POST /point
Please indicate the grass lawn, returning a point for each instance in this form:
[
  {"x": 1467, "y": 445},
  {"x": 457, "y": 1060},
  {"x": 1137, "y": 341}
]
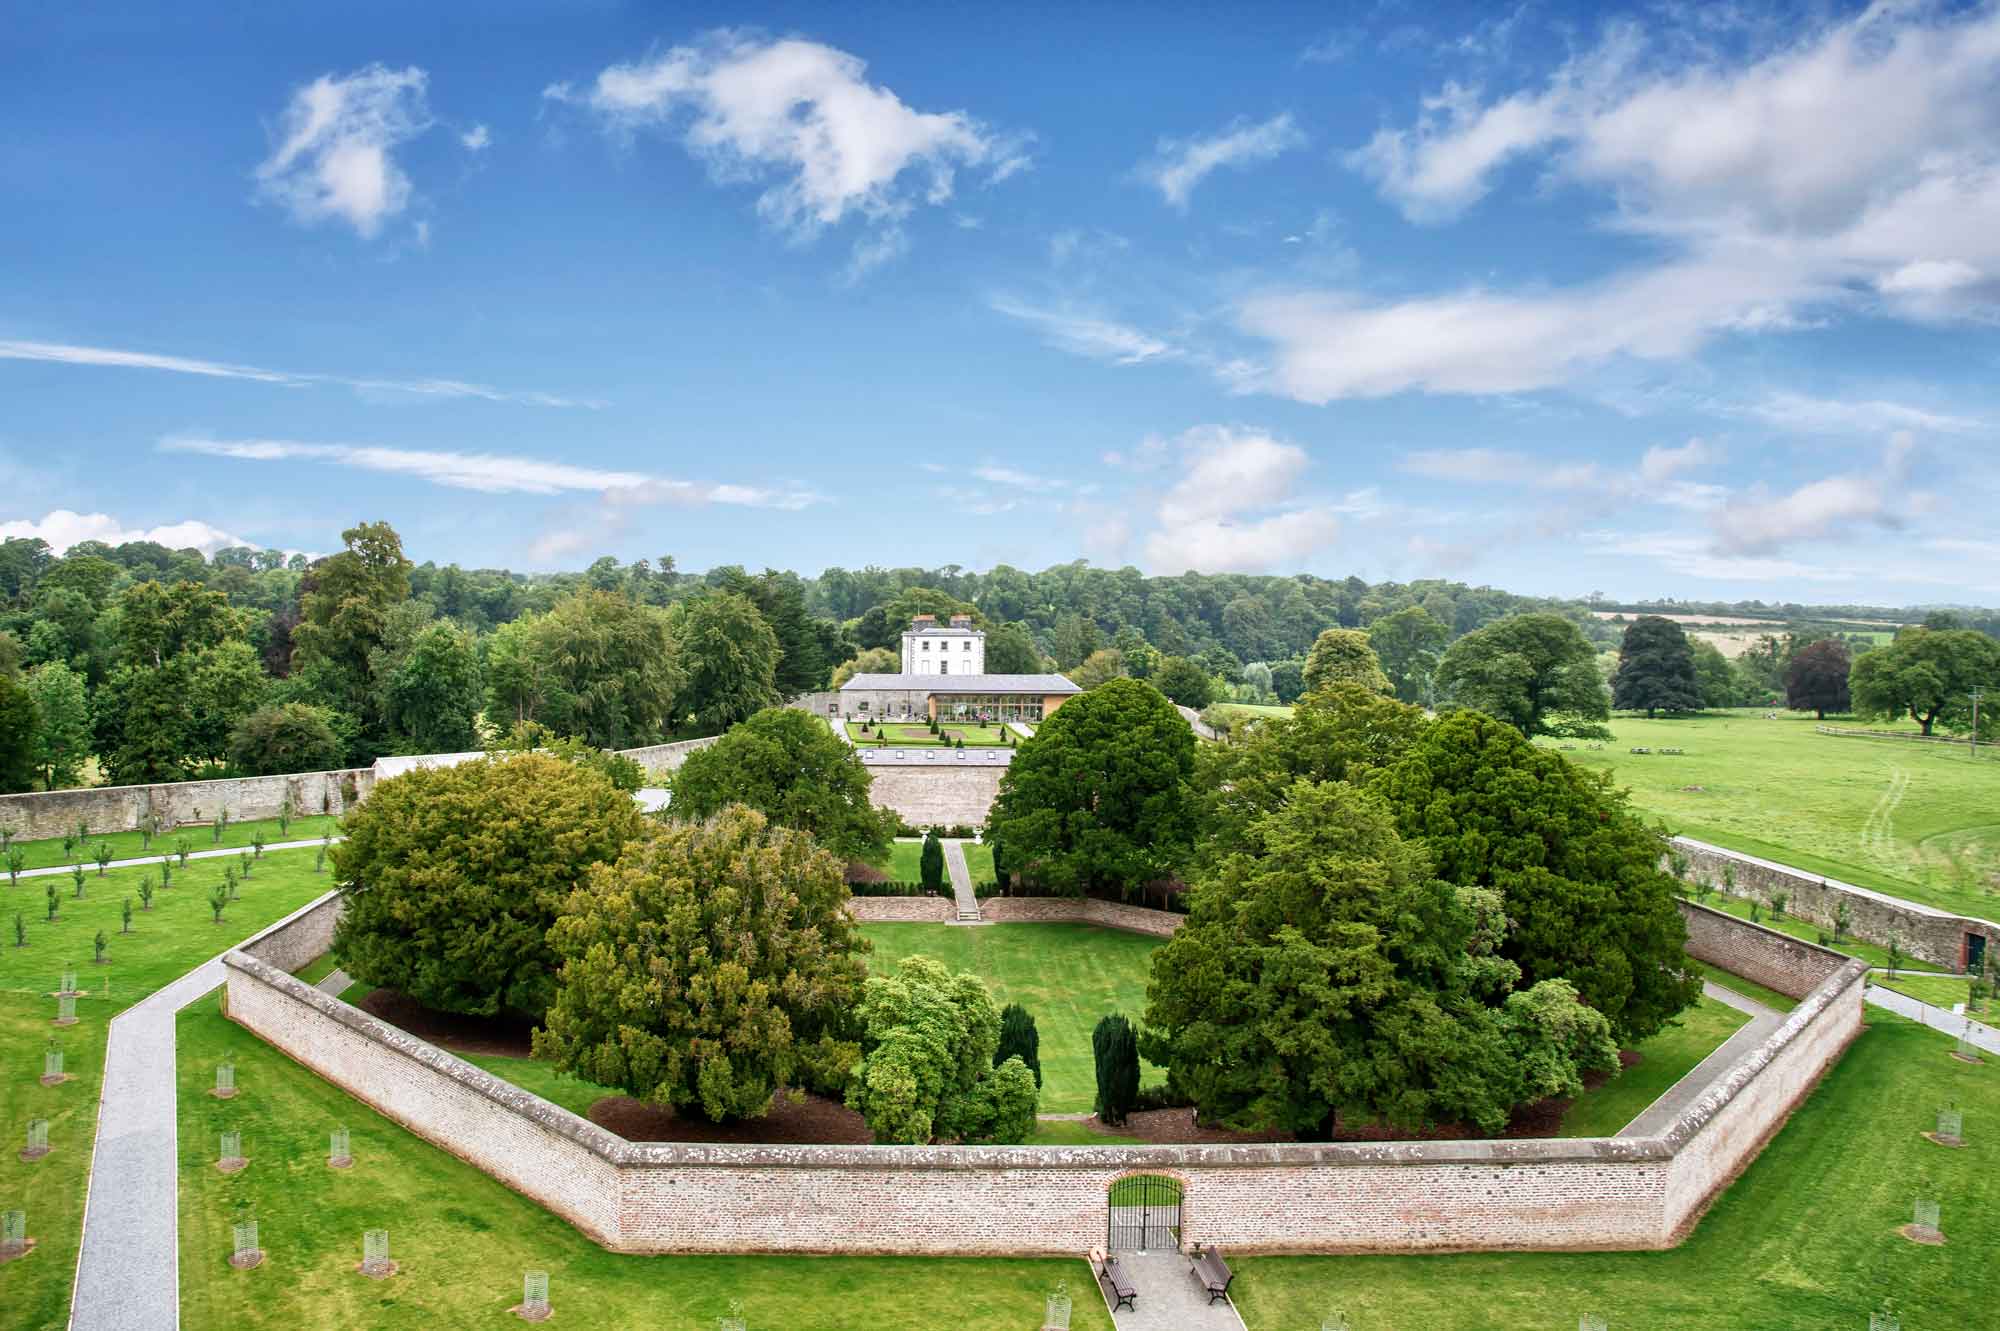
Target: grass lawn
[
  {"x": 1668, "y": 1057},
  {"x": 1066, "y": 975},
  {"x": 167, "y": 942},
  {"x": 1770, "y": 998},
  {"x": 1938, "y": 991},
  {"x": 1918, "y": 820},
  {"x": 1797, "y": 928},
  {"x": 1235, "y": 709},
  {"x": 976, "y": 736},
  {"x": 906, "y": 862},
  {"x": 1804, "y": 1241},
  {"x": 315, "y": 971},
  {"x": 462, "y": 1240},
  {"x": 128, "y": 845},
  {"x": 539, "y": 1078}
]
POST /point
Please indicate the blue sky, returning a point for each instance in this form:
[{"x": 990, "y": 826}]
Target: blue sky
[{"x": 1669, "y": 300}]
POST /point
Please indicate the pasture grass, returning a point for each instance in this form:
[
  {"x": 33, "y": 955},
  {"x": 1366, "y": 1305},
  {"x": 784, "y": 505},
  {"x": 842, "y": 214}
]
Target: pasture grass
[
  {"x": 47, "y": 853},
  {"x": 1915, "y": 819},
  {"x": 463, "y": 1240},
  {"x": 1806, "y": 1239},
  {"x": 173, "y": 938}
]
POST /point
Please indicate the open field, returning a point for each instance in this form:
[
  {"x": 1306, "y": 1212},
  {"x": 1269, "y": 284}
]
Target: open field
[
  {"x": 48, "y": 853},
  {"x": 975, "y": 736},
  {"x": 1804, "y": 1241},
  {"x": 462, "y": 1240},
  {"x": 166, "y": 942},
  {"x": 1915, "y": 819}
]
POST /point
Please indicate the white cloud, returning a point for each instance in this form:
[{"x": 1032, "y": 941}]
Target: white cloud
[
  {"x": 1016, "y": 478},
  {"x": 1088, "y": 335},
  {"x": 1662, "y": 462},
  {"x": 803, "y": 114},
  {"x": 66, "y": 354},
  {"x": 1696, "y": 557},
  {"x": 1236, "y": 506},
  {"x": 1178, "y": 165},
  {"x": 492, "y": 473},
  {"x": 874, "y": 249},
  {"x": 1814, "y": 415},
  {"x": 1760, "y": 524},
  {"x": 477, "y": 139},
  {"x": 1468, "y": 466},
  {"x": 337, "y": 136},
  {"x": 62, "y": 528}
]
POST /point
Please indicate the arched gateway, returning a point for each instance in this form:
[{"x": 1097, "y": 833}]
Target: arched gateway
[{"x": 1142, "y": 1213}]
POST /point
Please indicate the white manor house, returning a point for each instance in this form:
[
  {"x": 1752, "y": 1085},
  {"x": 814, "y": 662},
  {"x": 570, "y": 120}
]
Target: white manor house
[{"x": 944, "y": 677}]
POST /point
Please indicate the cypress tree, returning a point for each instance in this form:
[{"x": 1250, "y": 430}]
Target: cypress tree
[
  {"x": 932, "y": 861},
  {"x": 1019, "y": 1039},
  {"x": 1117, "y": 1051}
]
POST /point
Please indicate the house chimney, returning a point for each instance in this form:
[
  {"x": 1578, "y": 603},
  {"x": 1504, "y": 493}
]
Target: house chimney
[
  {"x": 961, "y": 621},
  {"x": 922, "y": 622}
]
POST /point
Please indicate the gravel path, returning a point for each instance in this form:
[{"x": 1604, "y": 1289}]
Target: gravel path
[
  {"x": 1951, "y": 1023},
  {"x": 1169, "y": 1299},
  {"x": 128, "y": 1271},
  {"x": 148, "y": 860},
  {"x": 1659, "y": 1115}
]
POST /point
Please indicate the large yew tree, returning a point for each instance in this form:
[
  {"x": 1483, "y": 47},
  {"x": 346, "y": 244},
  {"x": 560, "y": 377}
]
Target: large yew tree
[
  {"x": 1099, "y": 797},
  {"x": 454, "y": 875},
  {"x": 1655, "y": 669},
  {"x": 713, "y": 964}
]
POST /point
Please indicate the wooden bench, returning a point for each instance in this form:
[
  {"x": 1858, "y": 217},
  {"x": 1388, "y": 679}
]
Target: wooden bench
[
  {"x": 1213, "y": 1273},
  {"x": 1117, "y": 1288}
]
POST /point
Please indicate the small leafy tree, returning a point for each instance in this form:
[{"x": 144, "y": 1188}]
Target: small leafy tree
[
  {"x": 319, "y": 857},
  {"x": 182, "y": 849},
  {"x": 17, "y": 860},
  {"x": 257, "y": 844},
  {"x": 1019, "y": 1039},
  {"x": 1895, "y": 954},
  {"x": 220, "y": 822},
  {"x": 287, "y": 809},
  {"x": 931, "y": 862},
  {"x": 1778, "y": 900},
  {"x": 248, "y": 862},
  {"x": 104, "y": 856},
  {"x": 218, "y": 897},
  {"x": 20, "y": 930},
  {"x": 76, "y": 876},
  {"x": 149, "y": 827},
  {"x": 166, "y": 872},
  {"x": 54, "y": 898},
  {"x": 100, "y": 941},
  {"x": 1756, "y": 911},
  {"x": 1116, "y": 1050},
  {"x": 146, "y": 892},
  {"x": 126, "y": 926},
  {"x": 710, "y": 966},
  {"x": 927, "y": 1070},
  {"x": 229, "y": 892},
  {"x": 69, "y": 845},
  {"x": 1843, "y": 917}
]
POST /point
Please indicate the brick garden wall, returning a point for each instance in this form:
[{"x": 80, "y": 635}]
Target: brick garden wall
[
  {"x": 1778, "y": 961},
  {"x": 1640, "y": 1192},
  {"x": 1930, "y": 935}
]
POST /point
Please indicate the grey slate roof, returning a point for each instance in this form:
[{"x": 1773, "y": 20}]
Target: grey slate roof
[{"x": 1043, "y": 684}]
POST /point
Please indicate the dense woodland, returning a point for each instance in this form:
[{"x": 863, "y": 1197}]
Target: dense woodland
[{"x": 139, "y": 663}]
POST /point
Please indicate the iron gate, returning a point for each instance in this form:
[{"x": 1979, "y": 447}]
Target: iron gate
[{"x": 1144, "y": 1213}]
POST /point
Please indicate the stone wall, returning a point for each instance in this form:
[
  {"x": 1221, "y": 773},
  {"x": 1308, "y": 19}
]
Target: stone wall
[
  {"x": 666, "y": 757},
  {"x": 1079, "y": 910},
  {"x": 37, "y": 814},
  {"x": 940, "y": 797},
  {"x": 902, "y": 910},
  {"x": 1778, "y": 961},
  {"x": 1636, "y": 1192},
  {"x": 1936, "y": 936}
]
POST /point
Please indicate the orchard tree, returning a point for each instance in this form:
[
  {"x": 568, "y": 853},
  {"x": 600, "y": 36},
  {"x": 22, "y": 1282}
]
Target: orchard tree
[
  {"x": 1655, "y": 669},
  {"x": 788, "y": 766},
  {"x": 1343, "y": 656},
  {"x": 1408, "y": 643},
  {"x": 1928, "y": 675},
  {"x": 1580, "y": 874},
  {"x": 453, "y": 877},
  {"x": 731, "y": 656},
  {"x": 1187, "y": 684},
  {"x": 62, "y": 724},
  {"x": 1010, "y": 650},
  {"x": 710, "y": 966},
  {"x": 1538, "y": 673},
  {"x": 1325, "y": 968},
  {"x": 927, "y": 1071},
  {"x": 1816, "y": 679},
  {"x": 1099, "y": 798},
  {"x": 287, "y": 737}
]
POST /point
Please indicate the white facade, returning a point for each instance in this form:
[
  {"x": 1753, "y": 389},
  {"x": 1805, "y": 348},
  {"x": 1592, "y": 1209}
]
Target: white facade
[{"x": 930, "y": 648}]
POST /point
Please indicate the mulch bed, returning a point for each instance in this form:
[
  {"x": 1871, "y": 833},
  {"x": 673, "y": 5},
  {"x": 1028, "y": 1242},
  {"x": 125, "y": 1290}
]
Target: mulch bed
[
  {"x": 812, "y": 1120},
  {"x": 505, "y": 1036}
]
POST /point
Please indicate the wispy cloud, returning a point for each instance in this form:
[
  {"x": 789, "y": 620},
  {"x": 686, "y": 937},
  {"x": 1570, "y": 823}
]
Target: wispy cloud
[
  {"x": 1178, "y": 165},
  {"x": 1760, "y": 523},
  {"x": 334, "y": 155},
  {"x": 1085, "y": 334},
  {"x": 1817, "y": 415},
  {"x": 68, "y": 354},
  {"x": 496, "y": 473}
]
